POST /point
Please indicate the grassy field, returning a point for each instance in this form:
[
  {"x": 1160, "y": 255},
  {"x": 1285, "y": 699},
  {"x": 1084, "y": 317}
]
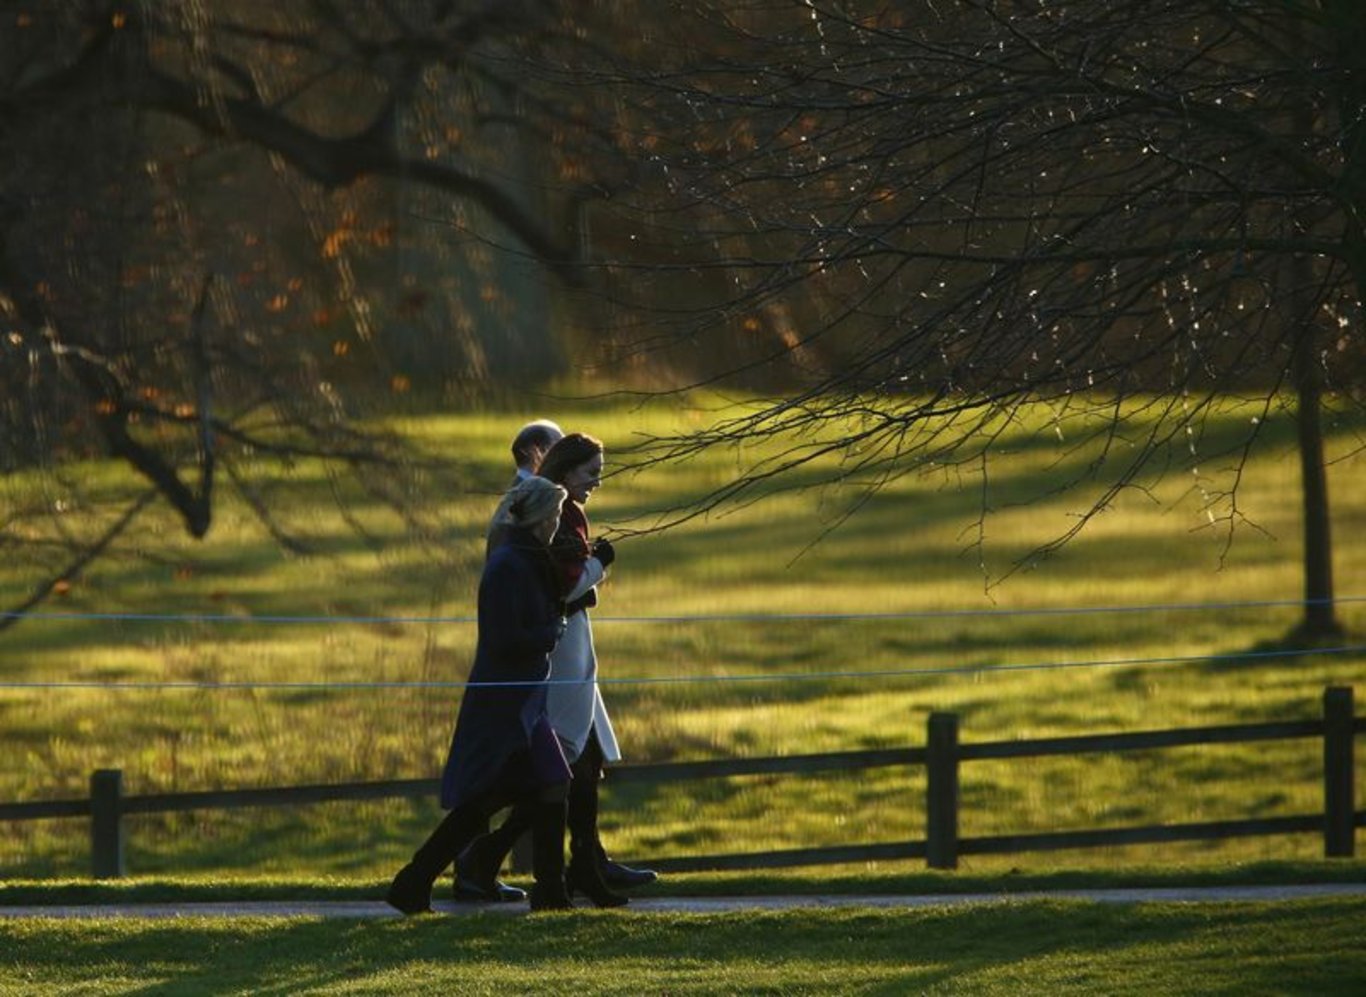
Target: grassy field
[
  {"x": 732, "y": 635},
  {"x": 1005, "y": 948}
]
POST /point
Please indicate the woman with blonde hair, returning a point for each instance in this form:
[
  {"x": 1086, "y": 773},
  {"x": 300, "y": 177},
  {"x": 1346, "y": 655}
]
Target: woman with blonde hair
[{"x": 504, "y": 751}]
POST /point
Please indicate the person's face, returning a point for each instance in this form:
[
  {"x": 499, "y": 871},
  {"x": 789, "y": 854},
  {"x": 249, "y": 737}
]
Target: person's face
[
  {"x": 544, "y": 531},
  {"x": 582, "y": 479}
]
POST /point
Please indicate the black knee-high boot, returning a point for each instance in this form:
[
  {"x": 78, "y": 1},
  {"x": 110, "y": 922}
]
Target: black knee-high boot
[
  {"x": 585, "y": 874},
  {"x": 411, "y": 890},
  {"x": 547, "y": 857},
  {"x": 517, "y": 823}
]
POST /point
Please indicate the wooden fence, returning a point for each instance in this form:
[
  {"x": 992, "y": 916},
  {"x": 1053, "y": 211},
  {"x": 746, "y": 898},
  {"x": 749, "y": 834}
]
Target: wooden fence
[{"x": 943, "y": 755}]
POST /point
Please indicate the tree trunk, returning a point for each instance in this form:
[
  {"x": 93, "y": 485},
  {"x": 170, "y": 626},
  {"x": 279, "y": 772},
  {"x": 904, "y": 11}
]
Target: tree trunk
[
  {"x": 1320, "y": 619},
  {"x": 1343, "y": 20}
]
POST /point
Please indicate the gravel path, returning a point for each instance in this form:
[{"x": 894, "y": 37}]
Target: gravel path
[{"x": 361, "y": 909}]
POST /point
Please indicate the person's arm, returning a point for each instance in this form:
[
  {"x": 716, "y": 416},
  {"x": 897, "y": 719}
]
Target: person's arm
[
  {"x": 592, "y": 573},
  {"x": 579, "y": 570},
  {"x": 512, "y": 622}
]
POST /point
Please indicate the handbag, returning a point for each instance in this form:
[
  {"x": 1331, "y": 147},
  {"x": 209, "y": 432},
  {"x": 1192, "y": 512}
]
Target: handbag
[{"x": 548, "y": 764}]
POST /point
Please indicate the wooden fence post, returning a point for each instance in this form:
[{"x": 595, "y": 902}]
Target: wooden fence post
[
  {"x": 106, "y": 824},
  {"x": 1338, "y": 775},
  {"x": 941, "y": 796}
]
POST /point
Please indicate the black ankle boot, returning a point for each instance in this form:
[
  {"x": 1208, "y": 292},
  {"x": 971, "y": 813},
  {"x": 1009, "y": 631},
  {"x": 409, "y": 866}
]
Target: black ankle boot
[
  {"x": 466, "y": 892},
  {"x": 410, "y": 892},
  {"x": 476, "y": 871},
  {"x": 618, "y": 876},
  {"x": 480, "y": 884}
]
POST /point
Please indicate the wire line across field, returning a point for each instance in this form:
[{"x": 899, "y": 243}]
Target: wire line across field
[{"x": 920, "y": 614}]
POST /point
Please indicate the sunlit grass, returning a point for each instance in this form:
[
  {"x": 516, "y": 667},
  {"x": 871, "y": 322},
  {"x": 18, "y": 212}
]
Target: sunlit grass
[{"x": 738, "y": 656}]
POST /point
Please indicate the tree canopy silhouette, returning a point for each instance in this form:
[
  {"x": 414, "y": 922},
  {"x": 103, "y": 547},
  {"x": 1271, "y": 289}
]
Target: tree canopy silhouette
[
  {"x": 931, "y": 214},
  {"x": 207, "y": 240}
]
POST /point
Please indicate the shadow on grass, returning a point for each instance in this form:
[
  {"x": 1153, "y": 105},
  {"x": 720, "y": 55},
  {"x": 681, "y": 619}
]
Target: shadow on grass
[
  {"x": 831, "y": 950},
  {"x": 812, "y": 881},
  {"x": 1297, "y": 645}
]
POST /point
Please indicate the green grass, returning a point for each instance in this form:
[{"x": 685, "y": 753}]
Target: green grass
[
  {"x": 695, "y": 685},
  {"x": 1302, "y": 947}
]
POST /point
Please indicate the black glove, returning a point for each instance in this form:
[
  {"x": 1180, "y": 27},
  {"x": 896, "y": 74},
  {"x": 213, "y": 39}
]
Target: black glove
[{"x": 604, "y": 551}]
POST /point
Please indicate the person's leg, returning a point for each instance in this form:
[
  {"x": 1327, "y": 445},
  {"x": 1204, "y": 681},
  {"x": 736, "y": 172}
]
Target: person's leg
[
  {"x": 584, "y": 874},
  {"x": 582, "y": 814},
  {"x": 537, "y": 774},
  {"x": 517, "y": 822},
  {"x": 583, "y": 821},
  {"x": 411, "y": 890},
  {"x": 478, "y": 864},
  {"x": 547, "y": 851}
]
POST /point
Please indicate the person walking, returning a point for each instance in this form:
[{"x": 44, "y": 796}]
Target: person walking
[
  {"x": 574, "y": 700},
  {"x": 504, "y": 751},
  {"x": 529, "y": 445}
]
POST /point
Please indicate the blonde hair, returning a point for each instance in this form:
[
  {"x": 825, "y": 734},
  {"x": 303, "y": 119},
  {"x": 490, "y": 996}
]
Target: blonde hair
[{"x": 527, "y": 503}]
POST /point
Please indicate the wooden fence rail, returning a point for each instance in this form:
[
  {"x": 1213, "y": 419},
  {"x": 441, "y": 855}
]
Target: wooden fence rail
[{"x": 942, "y": 755}]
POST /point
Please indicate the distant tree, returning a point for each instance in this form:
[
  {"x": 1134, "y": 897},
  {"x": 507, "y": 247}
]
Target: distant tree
[
  {"x": 929, "y": 214},
  {"x": 203, "y": 215}
]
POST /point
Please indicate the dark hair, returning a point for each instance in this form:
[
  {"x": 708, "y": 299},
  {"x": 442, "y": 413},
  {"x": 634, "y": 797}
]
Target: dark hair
[
  {"x": 567, "y": 454},
  {"x": 533, "y": 436}
]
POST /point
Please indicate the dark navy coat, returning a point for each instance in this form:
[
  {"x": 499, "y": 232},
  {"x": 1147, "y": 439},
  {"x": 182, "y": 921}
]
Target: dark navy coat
[{"x": 520, "y": 618}]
